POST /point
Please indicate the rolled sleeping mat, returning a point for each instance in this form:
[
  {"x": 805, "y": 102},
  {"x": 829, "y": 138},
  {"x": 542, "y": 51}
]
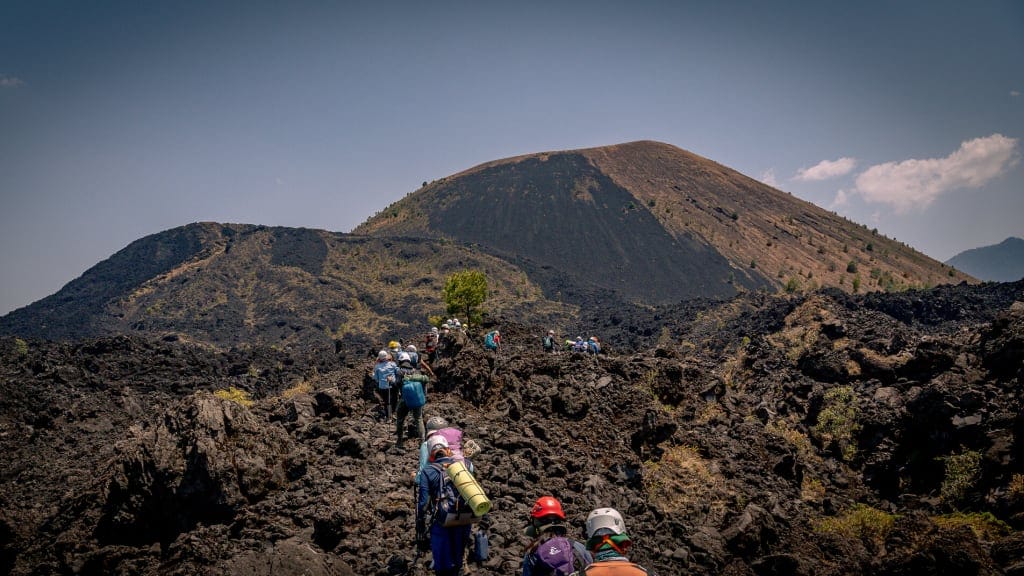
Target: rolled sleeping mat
[{"x": 469, "y": 488}]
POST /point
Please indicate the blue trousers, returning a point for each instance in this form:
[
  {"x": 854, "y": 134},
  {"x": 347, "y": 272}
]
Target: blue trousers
[{"x": 448, "y": 547}]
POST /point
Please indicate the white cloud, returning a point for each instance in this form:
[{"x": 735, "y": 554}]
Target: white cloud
[
  {"x": 827, "y": 169},
  {"x": 916, "y": 183},
  {"x": 768, "y": 177},
  {"x": 10, "y": 81},
  {"x": 842, "y": 199}
]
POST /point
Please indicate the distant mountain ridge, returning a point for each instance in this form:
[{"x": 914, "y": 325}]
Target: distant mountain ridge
[{"x": 1003, "y": 262}]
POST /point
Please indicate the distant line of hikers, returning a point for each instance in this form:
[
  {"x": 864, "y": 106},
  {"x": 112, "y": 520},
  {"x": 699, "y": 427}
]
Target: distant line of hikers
[{"x": 449, "y": 499}]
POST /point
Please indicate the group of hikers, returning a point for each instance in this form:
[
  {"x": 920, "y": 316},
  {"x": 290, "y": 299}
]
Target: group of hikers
[
  {"x": 444, "y": 521},
  {"x": 579, "y": 346},
  {"x": 448, "y": 498}
]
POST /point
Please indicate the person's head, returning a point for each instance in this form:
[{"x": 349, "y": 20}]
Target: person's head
[
  {"x": 436, "y": 423},
  {"x": 606, "y": 528},
  {"x": 546, "y": 514},
  {"x": 551, "y": 332},
  {"x": 437, "y": 447},
  {"x": 411, "y": 348},
  {"x": 579, "y": 338},
  {"x": 393, "y": 345},
  {"x": 383, "y": 356},
  {"x": 434, "y": 330}
]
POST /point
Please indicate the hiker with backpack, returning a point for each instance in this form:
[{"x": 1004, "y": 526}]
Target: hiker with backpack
[
  {"x": 552, "y": 552},
  {"x": 443, "y": 518},
  {"x": 593, "y": 346},
  {"x": 412, "y": 398},
  {"x": 414, "y": 356},
  {"x": 394, "y": 348},
  {"x": 608, "y": 542},
  {"x": 446, "y": 342},
  {"x": 580, "y": 346},
  {"x": 492, "y": 340},
  {"x": 431, "y": 342},
  {"x": 549, "y": 342},
  {"x": 385, "y": 372},
  {"x": 438, "y": 426}
]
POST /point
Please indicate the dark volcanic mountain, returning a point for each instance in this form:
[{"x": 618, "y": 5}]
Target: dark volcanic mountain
[
  {"x": 654, "y": 224},
  {"x": 598, "y": 239},
  {"x": 1003, "y": 262}
]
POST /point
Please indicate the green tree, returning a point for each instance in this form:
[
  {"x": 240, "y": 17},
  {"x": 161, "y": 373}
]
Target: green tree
[{"x": 464, "y": 292}]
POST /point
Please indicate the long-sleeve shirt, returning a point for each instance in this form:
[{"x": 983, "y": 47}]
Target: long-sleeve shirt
[{"x": 381, "y": 372}]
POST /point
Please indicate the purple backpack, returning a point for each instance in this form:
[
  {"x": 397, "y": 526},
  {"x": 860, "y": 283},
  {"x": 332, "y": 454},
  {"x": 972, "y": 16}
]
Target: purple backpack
[
  {"x": 555, "y": 556},
  {"x": 454, "y": 438}
]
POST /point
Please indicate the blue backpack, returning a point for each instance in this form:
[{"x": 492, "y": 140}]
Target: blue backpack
[
  {"x": 489, "y": 341},
  {"x": 555, "y": 557},
  {"x": 450, "y": 508},
  {"x": 413, "y": 394}
]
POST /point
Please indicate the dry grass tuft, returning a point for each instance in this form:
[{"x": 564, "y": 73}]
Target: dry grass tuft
[
  {"x": 235, "y": 395},
  {"x": 683, "y": 481}
]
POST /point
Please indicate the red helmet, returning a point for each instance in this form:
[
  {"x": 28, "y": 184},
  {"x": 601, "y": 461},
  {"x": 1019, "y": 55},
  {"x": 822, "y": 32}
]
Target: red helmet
[{"x": 547, "y": 506}]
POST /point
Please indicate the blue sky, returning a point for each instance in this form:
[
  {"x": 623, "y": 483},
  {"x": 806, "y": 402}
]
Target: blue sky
[{"x": 122, "y": 119}]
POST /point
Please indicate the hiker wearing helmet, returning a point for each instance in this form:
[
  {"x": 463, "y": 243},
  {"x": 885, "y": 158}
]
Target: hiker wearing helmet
[
  {"x": 412, "y": 398},
  {"x": 552, "y": 552},
  {"x": 394, "y": 348},
  {"x": 433, "y": 338},
  {"x": 446, "y": 538},
  {"x": 414, "y": 356},
  {"x": 385, "y": 372},
  {"x": 608, "y": 541}
]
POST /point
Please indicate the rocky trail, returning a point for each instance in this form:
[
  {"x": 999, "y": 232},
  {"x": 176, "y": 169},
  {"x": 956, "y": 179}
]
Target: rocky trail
[{"x": 815, "y": 434}]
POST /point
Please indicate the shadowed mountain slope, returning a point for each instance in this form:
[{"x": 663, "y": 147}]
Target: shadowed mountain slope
[
  {"x": 655, "y": 224},
  {"x": 231, "y": 284}
]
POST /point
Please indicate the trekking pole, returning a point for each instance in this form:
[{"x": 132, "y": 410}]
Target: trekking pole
[{"x": 389, "y": 403}]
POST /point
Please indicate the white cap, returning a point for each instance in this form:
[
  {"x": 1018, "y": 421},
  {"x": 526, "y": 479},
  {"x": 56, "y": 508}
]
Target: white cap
[
  {"x": 435, "y": 443},
  {"x": 411, "y": 347},
  {"x": 404, "y": 357},
  {"x": 382, "y": 355}
]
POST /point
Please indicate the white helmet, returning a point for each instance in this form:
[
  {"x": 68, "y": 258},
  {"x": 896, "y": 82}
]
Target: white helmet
[
  {"x": 435, "y": 443},
  {"x": 382, "y": 355},
  {"x": 436, "y": 423},
  {"x": 411, "y": 347},
  {"x": 404, "y": 357},
  {"x": 607, "y": 519}
]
